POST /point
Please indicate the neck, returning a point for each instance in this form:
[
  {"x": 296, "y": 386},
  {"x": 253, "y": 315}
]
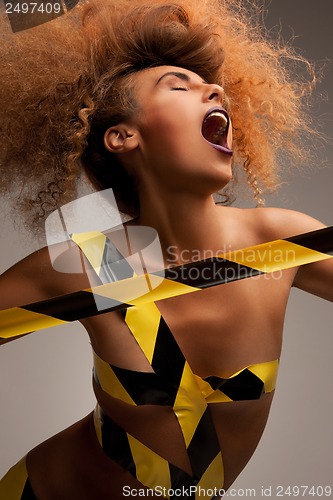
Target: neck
[{"x": 186, "y": 225}]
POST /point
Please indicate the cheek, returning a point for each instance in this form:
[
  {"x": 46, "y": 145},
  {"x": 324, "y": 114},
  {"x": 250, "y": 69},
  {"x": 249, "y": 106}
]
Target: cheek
[
  {"x": 166, "y": 132},
  {"x": 159, "y": 120}
]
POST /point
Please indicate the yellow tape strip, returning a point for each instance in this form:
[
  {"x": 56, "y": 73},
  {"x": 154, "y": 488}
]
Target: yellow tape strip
[
  {"x": 16, "y": 321},
  {"x": 275, "y": 256},
  {"x": 212, "y": 478},
  {"x": 267, "y": 257},
  {"x": 151, "y": 468},
  {"x": 189, "y": 405},
  {"x": 109, "y": 382},
  {"x": 144, "y": 322},
  {"x": 142, "y": 289},
  {"x": 92, "y": 245},
  {"x": 267, "y": 372},
  {"x": 13, "y": 483}
]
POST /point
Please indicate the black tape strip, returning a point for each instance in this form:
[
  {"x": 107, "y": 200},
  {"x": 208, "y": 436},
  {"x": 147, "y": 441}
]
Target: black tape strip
[
  {"x": 144, "y": 388},
  {"x": 27, "y": 493},
  {"x": 114, "y": 266},
  {"x": 85, "y": 303},
  {"x": 224, "y": 272},
  {"x": 115, "y": 444},
  {"x": 246, "y": 385},
  {"x": 167, "y": 352},
  {"x": 160, "y": 387},
  {"x": 320, "y": 240},
  {"x": 208, "y": 272},
  {"x": 204, "y": 445},
  {"x": 181, "y": 480}
]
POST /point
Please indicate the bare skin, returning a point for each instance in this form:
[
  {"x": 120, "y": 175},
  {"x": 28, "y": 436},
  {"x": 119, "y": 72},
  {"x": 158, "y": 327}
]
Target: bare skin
[{"x": 220, "y": 330}]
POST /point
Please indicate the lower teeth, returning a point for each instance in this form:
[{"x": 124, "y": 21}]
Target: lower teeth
[{"x": 218, "y": 135}]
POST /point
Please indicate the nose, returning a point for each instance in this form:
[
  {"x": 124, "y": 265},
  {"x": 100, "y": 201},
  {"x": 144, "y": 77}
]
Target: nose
[{"x": 214, "y": 92}]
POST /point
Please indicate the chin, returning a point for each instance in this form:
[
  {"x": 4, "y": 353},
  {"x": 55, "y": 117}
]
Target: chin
[{"x": 223, "y": 176}]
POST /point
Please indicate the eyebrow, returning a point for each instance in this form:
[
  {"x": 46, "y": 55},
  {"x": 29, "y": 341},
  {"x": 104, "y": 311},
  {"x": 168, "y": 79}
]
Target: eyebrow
[{"x": 178, "y": 74}]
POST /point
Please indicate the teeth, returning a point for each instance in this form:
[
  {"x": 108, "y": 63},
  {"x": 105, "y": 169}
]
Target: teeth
[
  {"x": 217, "y": 113},
  {"x": 215, "y": 126},
  {"x": 219, "y": 133}
]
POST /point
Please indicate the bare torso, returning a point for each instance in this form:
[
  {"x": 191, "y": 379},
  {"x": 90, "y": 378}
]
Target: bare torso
[{"x": 220, "y": 330}]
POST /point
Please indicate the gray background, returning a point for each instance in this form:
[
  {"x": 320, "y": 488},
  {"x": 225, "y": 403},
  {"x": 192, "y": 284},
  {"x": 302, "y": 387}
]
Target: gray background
[{"x": 46, "y": 377}]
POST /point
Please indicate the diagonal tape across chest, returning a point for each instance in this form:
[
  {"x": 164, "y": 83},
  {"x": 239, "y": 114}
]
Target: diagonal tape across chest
[{"x": 171, "y": 383}]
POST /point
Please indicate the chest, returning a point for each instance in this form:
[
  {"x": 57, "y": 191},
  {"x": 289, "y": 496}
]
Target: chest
[
  {"x": 223, "y": 329},
  {"x": 219, "y": 330}
]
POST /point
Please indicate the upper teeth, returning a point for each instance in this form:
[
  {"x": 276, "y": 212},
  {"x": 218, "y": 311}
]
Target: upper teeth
[{"x": 218, "y": 113}]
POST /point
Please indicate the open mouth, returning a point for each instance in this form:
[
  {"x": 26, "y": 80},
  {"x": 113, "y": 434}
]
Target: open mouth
[{"x": 215, "y": 129}]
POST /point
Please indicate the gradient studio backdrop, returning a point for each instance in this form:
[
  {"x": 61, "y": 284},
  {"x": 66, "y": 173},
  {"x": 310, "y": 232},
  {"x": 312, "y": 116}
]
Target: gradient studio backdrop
[{"x": 46, "y": 377}]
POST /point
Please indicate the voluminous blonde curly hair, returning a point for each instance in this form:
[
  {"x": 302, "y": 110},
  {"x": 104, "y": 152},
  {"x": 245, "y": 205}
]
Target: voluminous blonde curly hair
[{"x": 64, "y": 83}]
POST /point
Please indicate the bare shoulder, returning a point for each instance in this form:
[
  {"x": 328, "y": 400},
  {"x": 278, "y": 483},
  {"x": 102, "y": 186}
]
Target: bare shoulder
[
  {"x": 315, "y": 278},
  {"x": 279, "y": 223}
]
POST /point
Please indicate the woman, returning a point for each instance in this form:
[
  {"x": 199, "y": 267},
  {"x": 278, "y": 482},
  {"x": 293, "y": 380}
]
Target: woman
[{"x": 149, "y": 115}]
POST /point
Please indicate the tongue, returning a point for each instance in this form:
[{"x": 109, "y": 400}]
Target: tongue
[{"x": 211, "y": 127}]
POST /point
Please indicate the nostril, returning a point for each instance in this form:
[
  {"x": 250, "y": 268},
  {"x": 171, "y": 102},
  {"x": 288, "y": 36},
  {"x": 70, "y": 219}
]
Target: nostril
[{"x": 214, "y": 95}]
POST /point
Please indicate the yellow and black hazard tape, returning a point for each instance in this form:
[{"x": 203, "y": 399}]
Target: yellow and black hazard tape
[{"x": 231, "y": 266}]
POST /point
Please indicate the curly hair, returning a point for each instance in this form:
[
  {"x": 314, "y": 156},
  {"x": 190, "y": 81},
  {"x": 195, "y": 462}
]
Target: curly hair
[{"x": 76, "y": 81}]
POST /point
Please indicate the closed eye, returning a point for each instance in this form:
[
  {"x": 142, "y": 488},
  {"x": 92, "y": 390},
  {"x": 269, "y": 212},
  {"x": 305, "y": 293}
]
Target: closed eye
[{"x": 179, "y": 88}]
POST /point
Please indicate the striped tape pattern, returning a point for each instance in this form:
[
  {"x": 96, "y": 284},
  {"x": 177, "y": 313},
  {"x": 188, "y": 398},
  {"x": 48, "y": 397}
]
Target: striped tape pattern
[
  {"x": 295, "y": 251},
  {"x": 172, "y": 384}
]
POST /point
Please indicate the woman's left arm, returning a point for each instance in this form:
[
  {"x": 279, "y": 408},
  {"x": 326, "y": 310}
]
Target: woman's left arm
[{"x": 316, "y": 278}]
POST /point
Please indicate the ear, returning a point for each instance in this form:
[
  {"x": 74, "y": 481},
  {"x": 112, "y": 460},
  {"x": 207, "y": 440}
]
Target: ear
[{"x": 121, "y": 138}]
